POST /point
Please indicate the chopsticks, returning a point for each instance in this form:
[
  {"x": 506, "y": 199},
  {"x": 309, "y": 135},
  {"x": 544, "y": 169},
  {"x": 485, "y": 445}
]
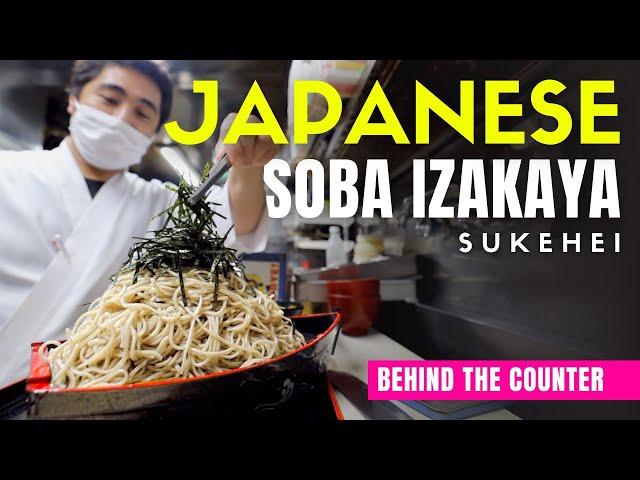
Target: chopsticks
[{"x": 218, "y": 170}]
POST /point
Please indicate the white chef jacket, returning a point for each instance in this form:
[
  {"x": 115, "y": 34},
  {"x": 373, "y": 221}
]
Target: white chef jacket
[{"x": 43, "y": 290}]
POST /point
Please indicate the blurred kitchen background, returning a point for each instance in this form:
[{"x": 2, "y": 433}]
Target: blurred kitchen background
[{"x": 436, "y": 301}]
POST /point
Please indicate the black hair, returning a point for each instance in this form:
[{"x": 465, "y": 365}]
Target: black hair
[{"x": 83, "y": 71}]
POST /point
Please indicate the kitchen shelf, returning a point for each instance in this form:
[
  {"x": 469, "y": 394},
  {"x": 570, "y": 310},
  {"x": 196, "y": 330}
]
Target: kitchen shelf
[
  {"x": 323, "y": 219},
  {"x": 397, "y": 275},
  {"x": 390, "y": 268},
  {"x": 308, "y": 244}
]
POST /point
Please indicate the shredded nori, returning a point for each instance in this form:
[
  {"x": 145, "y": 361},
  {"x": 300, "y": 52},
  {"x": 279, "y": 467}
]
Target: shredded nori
[{"x": 187, "y": 239}]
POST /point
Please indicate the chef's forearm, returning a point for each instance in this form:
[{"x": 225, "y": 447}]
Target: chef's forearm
[{"x": 247, "y": 197}]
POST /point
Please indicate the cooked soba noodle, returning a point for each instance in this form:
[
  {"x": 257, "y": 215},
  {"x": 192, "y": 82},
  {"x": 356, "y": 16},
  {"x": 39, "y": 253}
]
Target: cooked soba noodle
[{"x": 139, "y": 332}]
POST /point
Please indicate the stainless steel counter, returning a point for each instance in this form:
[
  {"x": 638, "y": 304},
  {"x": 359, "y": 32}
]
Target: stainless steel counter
[{"x": 353, "y": 353}]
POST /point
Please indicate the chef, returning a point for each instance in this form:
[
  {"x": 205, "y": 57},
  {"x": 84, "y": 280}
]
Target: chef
[{"x": 69, "y": 215}]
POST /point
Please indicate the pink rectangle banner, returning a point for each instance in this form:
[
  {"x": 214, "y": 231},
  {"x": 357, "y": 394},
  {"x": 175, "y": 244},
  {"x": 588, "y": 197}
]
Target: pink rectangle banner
[{"x": 504, "y": 380}]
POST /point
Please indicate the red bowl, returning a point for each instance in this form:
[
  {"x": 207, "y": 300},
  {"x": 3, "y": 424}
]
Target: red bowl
[
  {"x": 276, "y": 387},
  {"x": 360, "y": 286},
  {"x": 359, "y": 313}
]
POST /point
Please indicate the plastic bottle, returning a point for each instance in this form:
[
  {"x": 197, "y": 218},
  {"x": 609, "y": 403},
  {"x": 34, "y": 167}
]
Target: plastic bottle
[{"x": 336, "y": 253}]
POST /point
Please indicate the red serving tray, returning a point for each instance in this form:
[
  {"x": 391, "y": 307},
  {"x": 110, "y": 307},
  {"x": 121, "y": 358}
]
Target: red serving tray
[{"x": 293, "y": 385}]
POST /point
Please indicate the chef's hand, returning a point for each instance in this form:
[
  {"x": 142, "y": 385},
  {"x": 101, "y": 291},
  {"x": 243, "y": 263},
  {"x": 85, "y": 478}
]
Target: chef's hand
[
  {"x": 246, "y": 185},
  {"x": 250, "y": 151}
]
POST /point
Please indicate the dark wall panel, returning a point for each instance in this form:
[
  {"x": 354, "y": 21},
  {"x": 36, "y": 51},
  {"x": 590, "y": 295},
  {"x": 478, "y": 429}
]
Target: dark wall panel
[{"x": 540, "y": 305}]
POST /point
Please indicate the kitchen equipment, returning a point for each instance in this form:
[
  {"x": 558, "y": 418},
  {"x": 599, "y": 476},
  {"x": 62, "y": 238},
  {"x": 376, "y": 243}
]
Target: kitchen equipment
[
  {"x": 454, "y": 409},
  {"x": 218, "y": 169},
  {"x": 271, "y": 388},
  {"x": 356, "y": 391}
]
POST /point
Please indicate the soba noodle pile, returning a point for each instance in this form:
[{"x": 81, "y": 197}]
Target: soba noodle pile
[
  {"x": 141, "y": 332},
  {"x": 180, "y": 307}
]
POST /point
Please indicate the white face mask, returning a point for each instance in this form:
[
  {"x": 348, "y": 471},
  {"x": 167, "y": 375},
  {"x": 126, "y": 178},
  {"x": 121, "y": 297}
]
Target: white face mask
[{"x": 105, "y": 141}]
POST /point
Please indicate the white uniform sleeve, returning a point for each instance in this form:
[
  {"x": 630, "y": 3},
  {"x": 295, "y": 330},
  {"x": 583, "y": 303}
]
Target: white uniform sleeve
[{"x": 255, "y": 241}]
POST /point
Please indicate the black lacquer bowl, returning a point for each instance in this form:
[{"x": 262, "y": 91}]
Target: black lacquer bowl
[
  {"x": 279, "y": 387},
  {"x": 291, "y": 308}
]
